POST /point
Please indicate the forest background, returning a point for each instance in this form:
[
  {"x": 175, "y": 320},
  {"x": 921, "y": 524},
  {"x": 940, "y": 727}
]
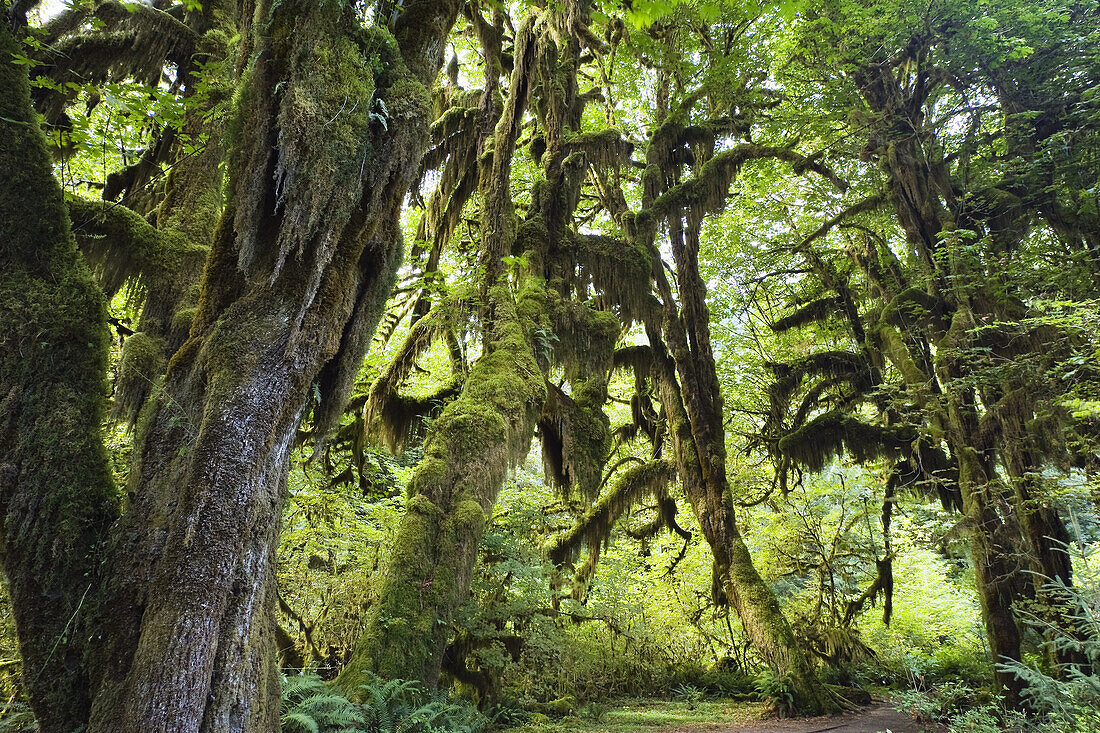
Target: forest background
[{"x": 545, "y": 353}]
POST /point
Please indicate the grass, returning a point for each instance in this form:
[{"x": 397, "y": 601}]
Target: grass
[{"x": 628, "y": 716}]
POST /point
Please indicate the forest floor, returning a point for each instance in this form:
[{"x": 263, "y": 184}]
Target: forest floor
[
  {"x": 879, "y": 717},
  {"x": 659, "y": 716}
]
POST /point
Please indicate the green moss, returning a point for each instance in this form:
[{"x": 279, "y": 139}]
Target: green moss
[
  {"x": 57, "y": 498},
  {"x": 140, "y": 365},
  {"x": 630, "y": 487},
  {"x": 158, "y": 267},
  {"x": 182, "y": 319}
]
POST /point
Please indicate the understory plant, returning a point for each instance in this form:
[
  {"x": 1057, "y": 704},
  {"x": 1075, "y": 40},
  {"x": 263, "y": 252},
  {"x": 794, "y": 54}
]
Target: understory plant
[{"x": 379, "y": 706}]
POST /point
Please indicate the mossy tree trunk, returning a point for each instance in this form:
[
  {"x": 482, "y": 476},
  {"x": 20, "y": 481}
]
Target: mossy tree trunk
[
  {"x": 691, "y": 394},
  {"x": 57, "y": 497},
  {"x": 469, "y": 448},
  {"x": 181, "y": 594},
  {"x": 467, "y": 454},
  {"x": 688, "y": 391}
]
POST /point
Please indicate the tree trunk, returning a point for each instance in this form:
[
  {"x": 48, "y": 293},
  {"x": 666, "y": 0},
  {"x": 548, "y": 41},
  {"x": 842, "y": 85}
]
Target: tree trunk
[
  {"x": 469, "y": 448},
  {"x": 467, "y": 454},
  {"x": 57, "y": 497},
  {"x": 752, "y": 599}
]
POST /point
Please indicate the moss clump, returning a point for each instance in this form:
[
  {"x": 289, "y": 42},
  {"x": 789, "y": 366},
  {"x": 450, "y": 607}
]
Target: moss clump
[
  {"x": 139, "y": 367},
  {"x": 182, "y": 319}
]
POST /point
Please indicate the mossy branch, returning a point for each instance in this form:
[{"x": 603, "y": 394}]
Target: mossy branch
[
  {"x": 125, "y": 250},
  {"x": 868, "y": 204},
  {"x": 832, "y": 433},
  {"x": 593, "y": 529},
  {"x": 401, "y": 420},
  {"x": 419, "y": 339},
  {"x": 812, "y": 312},
  {"x": 134, "y": 41},
  {"x": 837, "y": 365},
  {"x": 707, "y": 192}
]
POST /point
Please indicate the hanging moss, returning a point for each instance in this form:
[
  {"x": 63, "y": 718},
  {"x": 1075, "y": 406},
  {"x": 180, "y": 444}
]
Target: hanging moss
[
  {"x": 832, "y": 433},
  {"x": 605, "y": 149},
  {"x": 812, "y": 312},
  {"x": 618, "y": 272},
  {"x": 419, "y": 339},
  {"x": 835, "y": 365},
  {"x": 378, "y": 271},
  {"x": 915, "y": 307},
  {"x": 401, "y": 420},
  {"x": 132, "y": 40},
  {"x": 575, "y": 438},
  {"x": 649, "y": 478},
  {"x": 585, "y": 336},
  {"x": 323, "y": 127}
]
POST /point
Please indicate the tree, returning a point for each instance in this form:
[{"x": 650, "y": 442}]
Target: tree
[
  {"x": 173, "y": 602},
  {"x": 952, "y": 352}
]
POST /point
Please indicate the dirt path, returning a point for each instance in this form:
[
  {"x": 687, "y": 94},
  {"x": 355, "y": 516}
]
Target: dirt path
[{"x": 878, "y": 717}]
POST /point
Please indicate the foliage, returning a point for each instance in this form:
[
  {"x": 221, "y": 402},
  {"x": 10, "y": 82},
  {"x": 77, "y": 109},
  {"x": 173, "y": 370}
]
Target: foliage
[{"x": 381, "y": 706}]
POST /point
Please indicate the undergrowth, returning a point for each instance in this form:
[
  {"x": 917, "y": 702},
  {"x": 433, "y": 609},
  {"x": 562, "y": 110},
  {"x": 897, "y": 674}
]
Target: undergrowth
[{"x": 378, "y": 706}]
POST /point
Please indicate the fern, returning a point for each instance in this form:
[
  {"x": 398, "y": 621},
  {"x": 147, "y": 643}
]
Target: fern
[
  {"x": 1073, "y": 702},
  {"x": 309, "y": 706},
  {"x": 387, "y": 706},
  {"x": 297, "y": 722}
]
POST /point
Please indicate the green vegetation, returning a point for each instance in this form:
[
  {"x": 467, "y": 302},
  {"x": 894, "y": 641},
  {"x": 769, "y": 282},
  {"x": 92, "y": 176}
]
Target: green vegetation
[{"x": 446, "y": 367}]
